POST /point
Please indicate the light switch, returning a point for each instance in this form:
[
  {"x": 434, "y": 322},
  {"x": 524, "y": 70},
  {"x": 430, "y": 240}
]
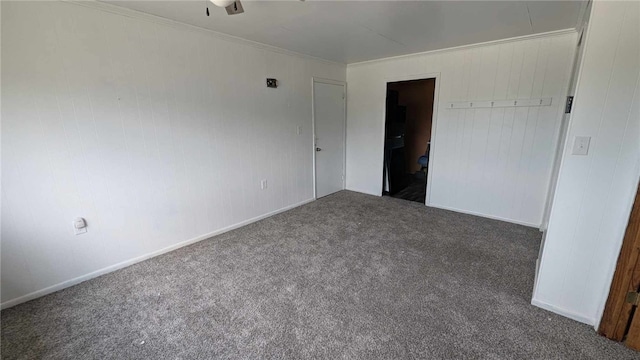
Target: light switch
[{"x": 581, "y": 145}]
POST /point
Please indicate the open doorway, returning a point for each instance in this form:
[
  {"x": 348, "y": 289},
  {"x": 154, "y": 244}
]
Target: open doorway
[{"x": 408, "y": 119}]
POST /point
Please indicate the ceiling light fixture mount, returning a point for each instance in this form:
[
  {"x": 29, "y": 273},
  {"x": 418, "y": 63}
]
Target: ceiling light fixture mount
[
  {"x": 233, "y": 7},
  {"x": 222, "y": 3}
]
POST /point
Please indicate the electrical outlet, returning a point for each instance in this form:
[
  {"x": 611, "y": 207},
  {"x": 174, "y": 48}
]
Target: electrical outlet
[
  {"x": 79, "y": 226},
  {"x": 581, "y": 145},
  {"x": 263, "y": 184}
]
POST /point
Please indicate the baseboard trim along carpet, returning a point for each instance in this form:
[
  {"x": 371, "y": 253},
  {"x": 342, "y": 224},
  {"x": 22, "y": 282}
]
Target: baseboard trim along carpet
[
  {"x": 108, "y": 269},
  {"x": 347, "y": 276},
  {"x": 523, "y": 223},
  {"x": 558, "y": 310}
]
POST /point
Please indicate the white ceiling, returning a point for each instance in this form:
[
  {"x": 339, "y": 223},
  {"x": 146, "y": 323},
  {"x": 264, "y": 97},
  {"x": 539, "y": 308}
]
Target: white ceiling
[{"x": 354, "y": 31}]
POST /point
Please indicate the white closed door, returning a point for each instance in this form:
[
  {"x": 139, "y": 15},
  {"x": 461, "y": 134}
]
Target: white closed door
[{"x": 329, "y": 120}]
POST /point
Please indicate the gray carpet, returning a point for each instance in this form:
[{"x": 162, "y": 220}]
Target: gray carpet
[{"x": 348, "y": 276}]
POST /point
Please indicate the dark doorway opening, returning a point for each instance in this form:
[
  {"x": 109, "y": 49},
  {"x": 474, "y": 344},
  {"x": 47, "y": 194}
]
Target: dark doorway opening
[{"x": 409, "y": 115}]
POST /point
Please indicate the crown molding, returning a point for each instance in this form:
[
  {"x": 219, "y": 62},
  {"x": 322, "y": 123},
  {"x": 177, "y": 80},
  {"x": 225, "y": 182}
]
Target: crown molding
[
  {"x": 585, "y": 8},
  {"x": 139, "y": 15},
  {"x": 471, "y": 46}
]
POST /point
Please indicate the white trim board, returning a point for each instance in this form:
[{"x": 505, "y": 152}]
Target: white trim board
[
  {"x": 563, "y": 312},
  {"x": 537, "y": 226},
  {"x": 362, "y": 191},
  {"x": 470, "y": 46},
  {"x": 112, "y": 268}
]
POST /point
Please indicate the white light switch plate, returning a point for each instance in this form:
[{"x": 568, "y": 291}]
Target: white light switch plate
[{"x": 581, "y": 145}]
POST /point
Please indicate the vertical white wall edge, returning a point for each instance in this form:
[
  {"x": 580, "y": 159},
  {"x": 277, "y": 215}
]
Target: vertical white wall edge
[{"x": 594, "y": 194}]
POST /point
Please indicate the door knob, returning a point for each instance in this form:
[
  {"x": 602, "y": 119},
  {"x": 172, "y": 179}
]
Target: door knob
[{"x": 318, "y": 149}]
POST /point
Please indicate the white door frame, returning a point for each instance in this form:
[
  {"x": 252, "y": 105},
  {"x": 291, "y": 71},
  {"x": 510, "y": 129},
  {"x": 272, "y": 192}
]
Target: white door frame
[
  {"x": 434, "y": 117},
  {"x": 313, "y": 129}
]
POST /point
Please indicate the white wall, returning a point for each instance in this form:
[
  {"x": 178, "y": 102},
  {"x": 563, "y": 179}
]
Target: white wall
[
  {"x": 582, "y": 28},
  {"x": 157, "y": 133},
  {"x": 491, "y": 162},
  {"x": 594, "y": 193}
]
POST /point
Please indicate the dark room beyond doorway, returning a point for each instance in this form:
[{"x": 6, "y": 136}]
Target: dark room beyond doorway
[{"x": 409, "y": 112}]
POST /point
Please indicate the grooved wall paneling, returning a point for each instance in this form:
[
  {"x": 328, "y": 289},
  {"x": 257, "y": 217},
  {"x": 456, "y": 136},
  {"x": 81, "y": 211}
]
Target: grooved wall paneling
[
  {"x": 155, "y": 133},
  {"x": 494, "y": 162},
  {"x": 594, "y": 193}
]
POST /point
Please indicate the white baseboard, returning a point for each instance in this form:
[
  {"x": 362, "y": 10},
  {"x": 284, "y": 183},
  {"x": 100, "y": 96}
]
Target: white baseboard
[
  {"x": 524, "y": 223},
  {"x": 544, "y": 226},
  {"x": 564, "y": 312},
  {"x": 362, "y": 191},
  {"x": 535, "y": 278},
  {"x": 108, "y": 269}
]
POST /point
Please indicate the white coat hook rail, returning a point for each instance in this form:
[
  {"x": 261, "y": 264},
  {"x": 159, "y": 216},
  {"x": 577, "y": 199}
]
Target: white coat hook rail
[{"x": 499, "y": 103}]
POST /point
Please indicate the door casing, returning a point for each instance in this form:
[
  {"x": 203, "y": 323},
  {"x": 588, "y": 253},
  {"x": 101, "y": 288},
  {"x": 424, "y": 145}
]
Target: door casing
[
  {"x": 619, "y": 316},
  {"x": 315, "y": 80}
]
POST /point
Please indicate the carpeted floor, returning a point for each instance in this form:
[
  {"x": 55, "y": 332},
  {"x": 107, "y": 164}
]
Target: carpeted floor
[{"x": 342, "y": 277}]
